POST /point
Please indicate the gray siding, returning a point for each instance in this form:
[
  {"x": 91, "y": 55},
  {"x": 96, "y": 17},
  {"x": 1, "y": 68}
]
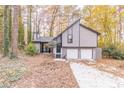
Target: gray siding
[
  {"x": 82, "y": 37},
  {"x": 87, "y": 38},
  {"x": 75, "y": 43},
  {"x": 59, "y": 39}
]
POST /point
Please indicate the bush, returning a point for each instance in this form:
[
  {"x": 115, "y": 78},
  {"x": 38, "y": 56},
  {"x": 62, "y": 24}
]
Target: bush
[
  {"x": 31, "y": 50},
  {"x": 108, "y": 52},
  {"x": 118, "y": 54},
  {"x": 112, "y": 52}
]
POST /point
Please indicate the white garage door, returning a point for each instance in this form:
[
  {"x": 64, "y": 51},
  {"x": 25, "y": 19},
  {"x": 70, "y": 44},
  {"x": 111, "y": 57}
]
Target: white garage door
[
  {"x": 72, "y": 53},
  {"x": 86, "y": 53}
]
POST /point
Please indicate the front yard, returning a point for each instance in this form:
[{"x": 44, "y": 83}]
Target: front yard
[
  {"x": 42, "y": 71},
  {"x": 39, "y": 71},
  {"x": 11, "y": 71}
]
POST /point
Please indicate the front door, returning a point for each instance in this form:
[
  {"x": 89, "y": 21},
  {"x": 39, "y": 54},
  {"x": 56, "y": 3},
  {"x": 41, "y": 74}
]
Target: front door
[{"x": 58, "y": 51}]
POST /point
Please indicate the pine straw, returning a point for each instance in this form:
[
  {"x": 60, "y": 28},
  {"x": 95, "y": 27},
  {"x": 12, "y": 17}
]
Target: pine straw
[
  {"x": 115, "y": 67},
  {"x": 45, "y": 73}
]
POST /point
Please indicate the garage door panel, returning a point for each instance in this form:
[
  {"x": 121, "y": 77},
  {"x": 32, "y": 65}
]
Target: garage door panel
[
  {"x": 72, "y": 53},
  {"x": 86, "y": 53}
]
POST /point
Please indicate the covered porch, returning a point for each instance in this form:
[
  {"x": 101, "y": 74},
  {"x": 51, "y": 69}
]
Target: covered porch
[{"x": 42, "y": 44}]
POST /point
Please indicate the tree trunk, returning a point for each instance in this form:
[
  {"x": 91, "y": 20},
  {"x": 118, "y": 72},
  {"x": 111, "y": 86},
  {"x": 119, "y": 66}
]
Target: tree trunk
[
  {"x": 6, "y": 31},
  {"x": 29, "y": 24},
  {"x": 14, "y": 35},
  {"x": 20, "y": 31},
  {"x": 10, "y": 23}
]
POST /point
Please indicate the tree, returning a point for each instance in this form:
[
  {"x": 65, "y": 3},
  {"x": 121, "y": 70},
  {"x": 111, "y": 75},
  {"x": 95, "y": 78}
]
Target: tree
[
  {"x": 6, "y": 31},
  {"x": 20, "y": 31},
  {"x": 1, "y": 18},
  {"x": 53, "y": 17},
  {"x": 10, "y": 23},
  {"x": 102, "y": 19},
  {"x": 14, "y": 35},
  {"x": 120, "y": 21},
  {"x": 1, "y": 26},
  {"x": 29, "y": 28},
  {"x": 58, "y": 18}
]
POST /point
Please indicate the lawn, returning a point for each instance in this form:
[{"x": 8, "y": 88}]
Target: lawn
[{"x": 38, "y": 72}]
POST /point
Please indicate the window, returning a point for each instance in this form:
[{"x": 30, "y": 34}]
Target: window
[{"x": 70, "y": 38}]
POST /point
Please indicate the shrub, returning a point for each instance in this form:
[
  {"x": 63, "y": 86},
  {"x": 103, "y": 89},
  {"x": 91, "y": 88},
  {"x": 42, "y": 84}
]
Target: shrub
[
  {"x": 31, "y": 50},
  {"x": 108, "y": 52},
  {"x": 112, "y": 52},
  {"x": 118, "y": 54}
]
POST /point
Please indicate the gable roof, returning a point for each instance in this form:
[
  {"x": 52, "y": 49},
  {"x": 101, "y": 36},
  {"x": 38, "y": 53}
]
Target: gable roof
[
  {"x": 66, "y": 29},
  {"x": 90, "y": 29}
]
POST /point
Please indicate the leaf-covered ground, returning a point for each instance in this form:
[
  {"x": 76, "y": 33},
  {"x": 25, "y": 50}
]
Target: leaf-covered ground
[
  {"x": 44, "y": 72},
  {"x": 10, "y": 71}
]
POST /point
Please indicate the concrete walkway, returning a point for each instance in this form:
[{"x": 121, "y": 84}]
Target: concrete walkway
[{"x": 88, "y": 77}]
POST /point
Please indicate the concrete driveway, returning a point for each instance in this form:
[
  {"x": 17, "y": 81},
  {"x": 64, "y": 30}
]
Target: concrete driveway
[{"x": 88, "y": 77}]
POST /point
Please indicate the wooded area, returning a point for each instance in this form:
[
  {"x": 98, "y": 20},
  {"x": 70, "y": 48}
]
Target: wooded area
[{"x": 20, "y": 24}]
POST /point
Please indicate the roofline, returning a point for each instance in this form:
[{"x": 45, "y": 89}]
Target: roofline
[
  {"x": 40, "y": 41},
  {"x": 90, "y": 29},
  {"x": 80, "y": 25},
  {"x": 66, "y": 29}
]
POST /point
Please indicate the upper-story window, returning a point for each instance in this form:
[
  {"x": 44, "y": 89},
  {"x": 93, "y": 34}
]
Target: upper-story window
[
  {"x": 70, "y": 38},
  {"x": 70, "y": 35}
]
